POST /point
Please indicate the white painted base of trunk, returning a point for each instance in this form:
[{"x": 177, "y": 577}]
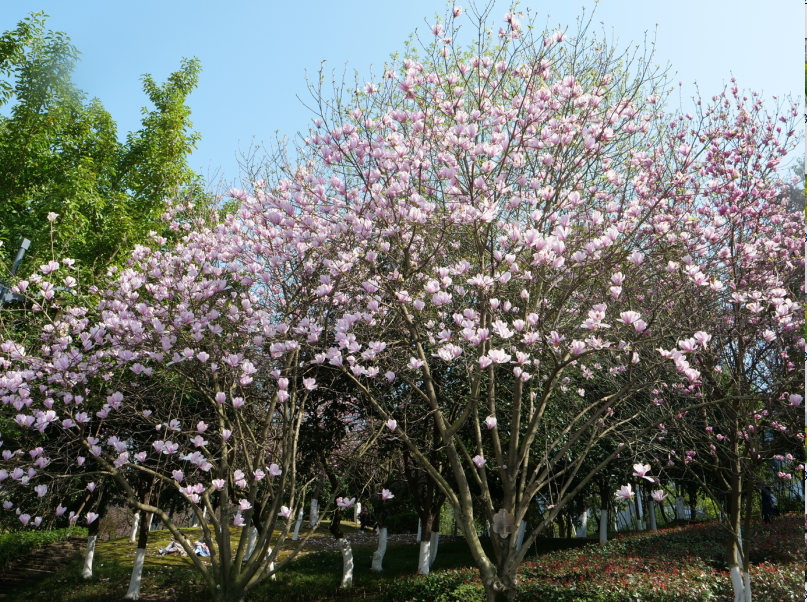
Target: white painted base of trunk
[
  {"x": 298, "y": 525},
  {"x": 653, "y": 525},
  {"x": 314, "y": 514},
  {"x": 137, "y": 575},
  {"x": 270, "y": 567},
  {"x": 252, "y": 538},
  {"x": 582, "y": 530},
  {"x": 135, "y": 525},
  {"x": 604, "y": 525},
  {"x": 737, "y": 584},
  {"x": 522, "y": 528},
  {"x": 378, "y": 555},
  {"x": 86, "y": 572},
  {"x": 347, "y": 563},
  {"x": 423, "y": 558},
  {"x": 747, "y": 580},
  {"x": 434, "y": 542}
]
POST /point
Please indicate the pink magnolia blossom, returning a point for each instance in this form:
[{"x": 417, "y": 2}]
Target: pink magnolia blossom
[
  {"x": 642, "y": 470},
  {"x": 625, "y": 493},
  {"x": 344, "y": 502}
]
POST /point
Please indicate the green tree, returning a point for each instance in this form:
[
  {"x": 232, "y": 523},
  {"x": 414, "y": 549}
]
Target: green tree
[{"x": 60, "y": 153}]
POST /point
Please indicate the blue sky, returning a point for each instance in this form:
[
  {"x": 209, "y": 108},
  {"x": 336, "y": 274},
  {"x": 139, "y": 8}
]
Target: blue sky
[{"x": 254, "y": 53}]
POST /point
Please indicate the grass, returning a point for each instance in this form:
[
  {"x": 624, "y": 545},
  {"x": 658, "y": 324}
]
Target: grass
[{"x": 312, "y": 576}]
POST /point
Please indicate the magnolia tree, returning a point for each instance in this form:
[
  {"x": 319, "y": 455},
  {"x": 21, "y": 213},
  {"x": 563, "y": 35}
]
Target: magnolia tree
[
  {"x": 746, "y": 266},
  {"x": 224, "y": 322},
  {"x": 520, "y": 217}
]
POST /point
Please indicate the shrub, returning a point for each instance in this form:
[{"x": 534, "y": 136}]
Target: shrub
[
  {"x": 13, "y": 545},
  {"x": 402, "y": 522}
]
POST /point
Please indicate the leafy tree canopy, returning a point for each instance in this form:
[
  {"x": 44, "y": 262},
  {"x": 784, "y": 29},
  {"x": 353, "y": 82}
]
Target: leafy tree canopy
[{"x": 60, "y": 153}]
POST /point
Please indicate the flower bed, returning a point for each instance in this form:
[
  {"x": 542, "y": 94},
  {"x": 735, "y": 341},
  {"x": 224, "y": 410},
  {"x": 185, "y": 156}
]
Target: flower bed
[{"x": 675, "y": 565}]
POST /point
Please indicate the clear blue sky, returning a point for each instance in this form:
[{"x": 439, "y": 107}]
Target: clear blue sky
[{"x": 254, "y": 53}]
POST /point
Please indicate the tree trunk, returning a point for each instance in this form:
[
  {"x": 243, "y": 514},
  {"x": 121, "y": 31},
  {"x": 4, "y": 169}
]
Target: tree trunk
[
  {"x": 92, "y": 537},
  {"x": 270, "y": 566},
  {"x": 251, "y": 539},
  {"x": 140, "y": 556},
  {"x": 603, "y": 525},
  {"x": 378, "y": 555},
  {"x": 434, "y": 541},
  {"x": 86, "y": 571},
  {"x": 582, "y": 530},
  {"x": 652, "y": 511},
  {"x": 522, "y": 528},
  {"x": 314, "y": 512},
  {"x": 135, "y": 524},
  {"x": 298, "y": 525},
  {"x": 347, "y": 563},
  {"x": 640, "y": 523},
  {"x": 423, "y": 558}
]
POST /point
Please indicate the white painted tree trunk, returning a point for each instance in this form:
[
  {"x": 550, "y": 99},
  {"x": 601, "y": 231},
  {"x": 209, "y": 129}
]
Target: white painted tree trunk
[
  {"x": 314, "y": 513},
  {"x": 298, "y": 525},
  {"x": 135, "y": 524},
  {"x": 137, "y": 575},
  {"x": 640, "y": 519},
  {"x": 251, "y": 539},
  {"x": 679, "y": 508},
  {"x": 271, "y": 565},
  {"x": 434, "y": 542},
  {"x": 603, "y": 525},
  {"x": 347, "y": 563},
  {"x": 582, "y": 530},
  {"x": 86, "y": 572},
  {"x": 419, "y": 531},
  {"x": 737, "y": 584},
  {"x": 378, "y": 555},
  {"x": 356, "y": 512},
  {"x": 652, "y": 511},
  {"x": 423, "y": 558},
  {"x": 747, "y": 579},
  {"x": 522, "y": 528}
]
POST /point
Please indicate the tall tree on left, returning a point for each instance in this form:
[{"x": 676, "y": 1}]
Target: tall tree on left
[{"x": 60, "y": 153}]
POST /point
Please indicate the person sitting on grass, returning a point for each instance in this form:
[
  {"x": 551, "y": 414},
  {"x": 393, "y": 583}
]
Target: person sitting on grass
[
  {"x": 173, "y": 548},
  {"x": 200, "y": 549}
]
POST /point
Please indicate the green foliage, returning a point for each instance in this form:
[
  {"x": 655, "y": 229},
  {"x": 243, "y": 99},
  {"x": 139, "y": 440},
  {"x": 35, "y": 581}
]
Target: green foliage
[
  {"x": 59, "y": 152},
  {"x": 16, "y": 544},
  {"x": 445, "y": 586},
  {"x": 402, "y": 522}
]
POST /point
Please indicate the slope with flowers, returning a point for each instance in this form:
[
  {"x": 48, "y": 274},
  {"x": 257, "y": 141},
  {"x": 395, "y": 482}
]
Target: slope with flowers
[{"x": 673, "y": 565}]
